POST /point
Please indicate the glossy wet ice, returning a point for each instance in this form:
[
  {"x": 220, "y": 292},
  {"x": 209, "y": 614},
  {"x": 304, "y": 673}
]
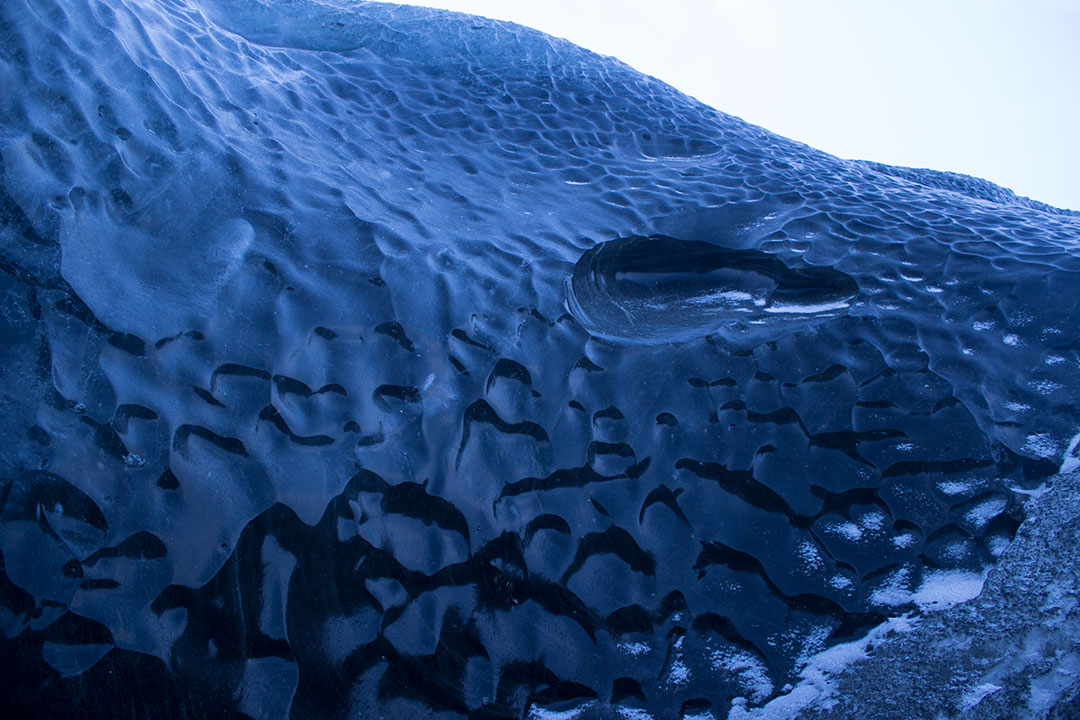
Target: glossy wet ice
[
  {"x": 657, "y": 290},
  {"x": 383, "y": 360}
]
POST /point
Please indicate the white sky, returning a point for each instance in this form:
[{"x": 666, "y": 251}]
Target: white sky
[{"x": 985, "y": 87}]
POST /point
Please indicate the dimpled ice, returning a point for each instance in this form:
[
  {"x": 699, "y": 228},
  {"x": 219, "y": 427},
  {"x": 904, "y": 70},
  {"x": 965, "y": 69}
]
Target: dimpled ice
[{"x": 373, "y": 361}]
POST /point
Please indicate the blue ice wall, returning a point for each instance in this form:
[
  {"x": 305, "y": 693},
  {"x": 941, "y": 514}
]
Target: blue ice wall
[{"x": 363, "y": 359}]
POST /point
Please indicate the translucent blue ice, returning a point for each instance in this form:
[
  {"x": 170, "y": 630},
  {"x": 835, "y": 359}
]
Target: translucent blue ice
[{"x": 363, "y": 359}]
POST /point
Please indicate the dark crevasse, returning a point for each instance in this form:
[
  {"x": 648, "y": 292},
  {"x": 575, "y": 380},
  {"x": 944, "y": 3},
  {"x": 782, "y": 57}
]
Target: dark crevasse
[{"x": 360, "y": 360}]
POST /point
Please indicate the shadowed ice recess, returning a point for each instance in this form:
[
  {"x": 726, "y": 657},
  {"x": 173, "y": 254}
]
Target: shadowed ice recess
[
  {"x": 372, "y": 361},
  {"x": 659, "y": 290}
]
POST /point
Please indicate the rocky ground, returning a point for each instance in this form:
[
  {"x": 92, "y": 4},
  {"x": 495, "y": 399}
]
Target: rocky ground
[{"x": 1011, "y": 652}]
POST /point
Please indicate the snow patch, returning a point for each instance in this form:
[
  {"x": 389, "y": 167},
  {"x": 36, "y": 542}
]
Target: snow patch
[
  {"x": 1072, "y": 456},
  {"x": 998, "y": 544},
  {"x": 984, "y": 512},
  {"x": 1042, "y": 444},
  {"x": 1045, "y": 387},
  {"x": 872, "y": 521},
  {"x": 680, "y": 672},
  {"x": 849, "y": 530},
  {"x": 903, "y": 541},
  {"x": 840, "y": 582},
  {"x": 751, "y": 674},
  {"x": 894, "y": 590},
  {"x": 942, "y": 589},
  {"x": 816, "y": 685},
  {"x": 810, "y": 556},
  {"x": 539, "y": 713},
  {"x": 634, "y": 648},
  {"x": 975, "y": 696},
  {"x": 954, "y": 487},
  {"x": 1034, "y": 493},
  {"x": 706, "y": 715}
]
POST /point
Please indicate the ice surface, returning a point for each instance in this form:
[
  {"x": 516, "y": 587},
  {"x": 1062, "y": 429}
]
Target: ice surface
[{"x": 362, "y": 360}]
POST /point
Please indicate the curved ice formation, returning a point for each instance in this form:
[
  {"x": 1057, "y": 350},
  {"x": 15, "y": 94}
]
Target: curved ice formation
[
  {"x": 364, "y": 360},
  {"x": 658, "y": 290}
]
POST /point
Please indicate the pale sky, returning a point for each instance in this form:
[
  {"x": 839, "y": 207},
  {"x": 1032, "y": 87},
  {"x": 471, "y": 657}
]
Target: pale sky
[{"x": 990, "y": 88}]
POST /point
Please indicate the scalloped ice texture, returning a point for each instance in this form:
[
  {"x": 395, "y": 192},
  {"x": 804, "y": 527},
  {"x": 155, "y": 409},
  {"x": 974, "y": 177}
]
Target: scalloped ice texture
[{"x": 299, "y": 415}]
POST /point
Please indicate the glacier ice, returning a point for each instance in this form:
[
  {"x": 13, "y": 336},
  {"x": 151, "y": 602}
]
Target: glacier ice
[{"x": 364, "y": 360}]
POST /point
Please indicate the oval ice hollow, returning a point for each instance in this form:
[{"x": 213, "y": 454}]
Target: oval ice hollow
[{"x": 658, "y": 289}]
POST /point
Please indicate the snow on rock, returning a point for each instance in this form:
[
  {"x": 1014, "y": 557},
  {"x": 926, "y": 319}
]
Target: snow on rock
[{"x": 1009, "y": 651}]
